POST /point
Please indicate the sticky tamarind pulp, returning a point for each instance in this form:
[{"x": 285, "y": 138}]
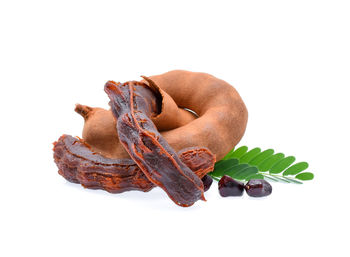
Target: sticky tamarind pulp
[
  {"x": 78, "y": 163},
  {"x": 145, "y": 145}
]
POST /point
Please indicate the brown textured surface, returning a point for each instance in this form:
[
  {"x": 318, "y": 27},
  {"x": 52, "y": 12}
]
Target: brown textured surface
[
  {"x": 222, "y": 113},
  {"x": 79, "y": 164},
  {"x": 150, "y": 151},
  {"x": 220, "y": 126},
  {"x": 100, "y": 126}
]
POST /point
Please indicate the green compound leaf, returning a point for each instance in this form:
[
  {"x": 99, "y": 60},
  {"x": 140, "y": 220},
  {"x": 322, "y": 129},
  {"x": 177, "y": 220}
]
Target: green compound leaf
[
  {"x": 269, "y": 162},
  {"x": 244, "y": 165},
  {"x": 296, "y": 168},
  {"x": 261, "y": 157},
  {"x": 305, "y": 176},
  {"x": 281, "y": 165},
  {"x": 249, "y": 155}
]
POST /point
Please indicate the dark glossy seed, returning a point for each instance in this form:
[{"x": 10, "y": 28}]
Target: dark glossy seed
[
  {"x": 258, "y": 188},
  {"x": 230, "y": 187},
  {"x": 207, "y": 181}
]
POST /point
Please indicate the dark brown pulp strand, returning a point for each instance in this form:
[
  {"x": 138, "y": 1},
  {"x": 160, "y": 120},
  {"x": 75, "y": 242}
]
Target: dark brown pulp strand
[
  {"x": 147, "y": 147},
  {"x": 79, "y": 164}
]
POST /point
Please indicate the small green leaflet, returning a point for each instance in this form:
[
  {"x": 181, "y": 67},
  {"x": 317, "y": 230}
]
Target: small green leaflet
[
  {"x": 296, "y": 168},
  {"x": 305, "y": 176},
  {"x": 244, "y": 165}
]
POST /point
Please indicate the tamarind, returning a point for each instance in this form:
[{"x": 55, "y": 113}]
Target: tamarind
[
  {"x": 141, "y": 139},
  {"x": 78, "y": 163},
  {"x": 173, "y": 126}
]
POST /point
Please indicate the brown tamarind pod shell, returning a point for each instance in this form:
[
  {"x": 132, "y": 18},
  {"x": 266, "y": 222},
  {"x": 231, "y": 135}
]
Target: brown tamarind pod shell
[
  {"x": 78, "y": 163},
  {"x": 222, "y": 114}
]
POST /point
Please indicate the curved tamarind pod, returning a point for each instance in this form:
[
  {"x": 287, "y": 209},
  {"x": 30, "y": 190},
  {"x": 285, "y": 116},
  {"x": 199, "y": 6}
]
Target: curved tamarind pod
[
  {"x": 150, "y": 151},
  {"x": 222, "y": 113},
  {"x": 220, "y": 126},
  {"x": 78, "y": 163}
]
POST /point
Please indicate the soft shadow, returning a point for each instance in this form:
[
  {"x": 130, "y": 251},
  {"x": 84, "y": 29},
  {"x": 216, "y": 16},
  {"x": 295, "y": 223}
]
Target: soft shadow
[{"x": 156, "y": 199}]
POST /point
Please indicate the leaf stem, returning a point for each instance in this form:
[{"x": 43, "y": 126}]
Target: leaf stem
[{"x": 280, "y": 177}]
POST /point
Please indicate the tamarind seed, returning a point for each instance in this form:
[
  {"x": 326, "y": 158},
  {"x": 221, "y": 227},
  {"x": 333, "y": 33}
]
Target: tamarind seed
[
  {"x": 207, "y": 181},
  {"x": 258, "y": 188},
  {"x": 230, "y": 187}
]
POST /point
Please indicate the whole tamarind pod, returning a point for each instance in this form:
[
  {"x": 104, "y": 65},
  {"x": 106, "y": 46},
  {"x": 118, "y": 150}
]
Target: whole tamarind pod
[
  {"x": 78, "y": 163},
  {"x": 222, "y": 114},
  {"x": 145, "y": 145}
]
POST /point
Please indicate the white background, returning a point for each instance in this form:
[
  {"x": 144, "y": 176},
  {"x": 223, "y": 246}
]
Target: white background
[{"x": 290, "y": 61}]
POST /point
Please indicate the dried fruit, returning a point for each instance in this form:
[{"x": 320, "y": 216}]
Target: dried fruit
[
  {"x": 258, "y": 188},
  {"x": 78, "y": 163},
  {"x": 147, "y": 147},
  {"x": 207, "y": 181},
  {"x": 213, "y": 117},
  {"x": 230, "y": 187},
  {"x": 218, "y": 124}
]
